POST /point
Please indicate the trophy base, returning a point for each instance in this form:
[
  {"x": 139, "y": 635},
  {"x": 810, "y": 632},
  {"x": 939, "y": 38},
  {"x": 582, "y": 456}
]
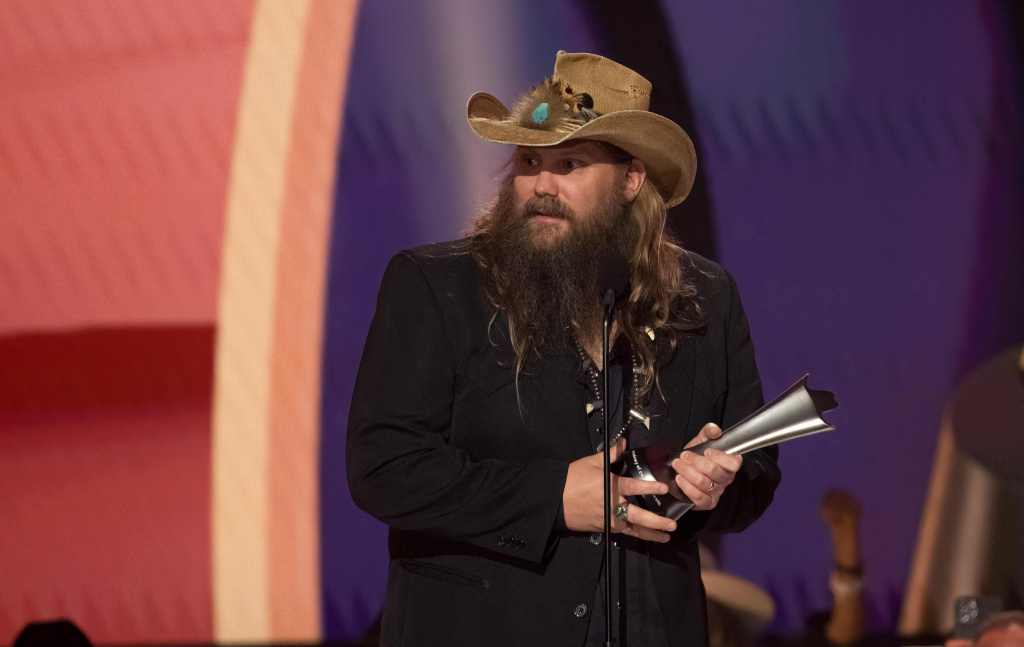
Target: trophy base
[{"x": 648, "y": 464}]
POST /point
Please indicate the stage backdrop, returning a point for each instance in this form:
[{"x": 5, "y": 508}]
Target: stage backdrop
[{"x": 199, "y": 200}]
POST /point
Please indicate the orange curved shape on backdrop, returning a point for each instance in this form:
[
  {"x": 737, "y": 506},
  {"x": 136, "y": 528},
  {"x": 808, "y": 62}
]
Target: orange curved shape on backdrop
[
  {"x": 296, "y": 361},
  {"x": 266, "y": 570}
]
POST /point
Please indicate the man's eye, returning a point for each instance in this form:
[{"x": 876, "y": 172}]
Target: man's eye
[
  {"x": 571, "y": 164},
  {"x": 530, "y": 162}
]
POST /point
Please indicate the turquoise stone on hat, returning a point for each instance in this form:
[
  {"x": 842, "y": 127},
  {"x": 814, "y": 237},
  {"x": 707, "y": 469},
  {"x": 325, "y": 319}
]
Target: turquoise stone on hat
[{"x": 540, "y": 113}]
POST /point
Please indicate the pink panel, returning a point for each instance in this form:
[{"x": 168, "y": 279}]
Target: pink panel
[
  {"x": 116, "y": 126},
  {"x": 105, "y": 479}
]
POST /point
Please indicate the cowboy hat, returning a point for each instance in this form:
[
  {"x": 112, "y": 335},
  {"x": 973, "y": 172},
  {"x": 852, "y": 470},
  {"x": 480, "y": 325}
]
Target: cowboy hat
[{"x": 592, "y": 97}]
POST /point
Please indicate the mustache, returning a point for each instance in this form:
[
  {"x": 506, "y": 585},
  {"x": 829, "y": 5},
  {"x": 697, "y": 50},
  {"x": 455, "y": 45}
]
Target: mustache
[{"x": 549, "y": 206}]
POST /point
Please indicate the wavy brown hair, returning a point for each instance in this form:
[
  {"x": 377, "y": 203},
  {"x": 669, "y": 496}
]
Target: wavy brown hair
[{"x": 662, "y": 297}]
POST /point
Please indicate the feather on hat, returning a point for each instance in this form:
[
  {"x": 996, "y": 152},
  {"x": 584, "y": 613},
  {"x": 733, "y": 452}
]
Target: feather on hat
[{"x": 593, "y": 97}]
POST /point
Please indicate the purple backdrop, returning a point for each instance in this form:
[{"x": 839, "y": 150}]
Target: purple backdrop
[
  {"x": 857, "y": 198},
  {"x": 861, "y": 160}
]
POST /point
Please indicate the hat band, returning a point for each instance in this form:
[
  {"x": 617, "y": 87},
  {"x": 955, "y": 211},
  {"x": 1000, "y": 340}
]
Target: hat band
[{"x": 552, "y": 105}]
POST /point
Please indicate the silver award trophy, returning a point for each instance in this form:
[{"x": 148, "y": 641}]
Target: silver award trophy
[{"x": 794, "y": 414}]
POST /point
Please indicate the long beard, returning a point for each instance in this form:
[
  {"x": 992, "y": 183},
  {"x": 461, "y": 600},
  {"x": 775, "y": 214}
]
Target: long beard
[{"x": 548, "y": 288}]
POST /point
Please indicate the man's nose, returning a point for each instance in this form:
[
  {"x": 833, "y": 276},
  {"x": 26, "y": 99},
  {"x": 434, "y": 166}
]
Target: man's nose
[{"x": 546, "y": 184}]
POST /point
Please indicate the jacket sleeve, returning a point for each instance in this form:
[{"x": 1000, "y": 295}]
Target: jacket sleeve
[
  {"x": 401, "y": 467},
  {"x": 754, "y": 487}
]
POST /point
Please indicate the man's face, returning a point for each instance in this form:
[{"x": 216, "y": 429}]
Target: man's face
[
  {"x": 559, "y": 213},
  {"x": 562, "y": 187}
]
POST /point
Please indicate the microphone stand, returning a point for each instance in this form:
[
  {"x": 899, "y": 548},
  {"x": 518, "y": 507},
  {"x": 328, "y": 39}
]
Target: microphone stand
[{"x": 608, "y": 307}]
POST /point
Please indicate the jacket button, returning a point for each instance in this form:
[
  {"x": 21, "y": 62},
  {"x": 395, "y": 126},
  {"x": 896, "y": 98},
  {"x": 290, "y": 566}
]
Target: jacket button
[
  {"x": 595, "y": 539},
  {"x": 502, "y": 540},
  {"x": 580, "y": 610}
]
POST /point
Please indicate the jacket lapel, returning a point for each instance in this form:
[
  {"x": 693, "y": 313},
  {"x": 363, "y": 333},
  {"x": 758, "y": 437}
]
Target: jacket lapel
[{"x": 670, "y": 408}]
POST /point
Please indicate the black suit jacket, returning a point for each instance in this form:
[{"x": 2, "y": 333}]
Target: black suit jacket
[{"x": 468, "y": 470}]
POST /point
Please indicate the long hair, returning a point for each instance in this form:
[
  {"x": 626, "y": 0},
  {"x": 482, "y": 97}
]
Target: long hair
[{"x": 662, "y": 302}]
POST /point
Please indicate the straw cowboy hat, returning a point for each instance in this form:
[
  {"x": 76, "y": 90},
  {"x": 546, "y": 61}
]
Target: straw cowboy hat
[{"x": 593, "y": 97}]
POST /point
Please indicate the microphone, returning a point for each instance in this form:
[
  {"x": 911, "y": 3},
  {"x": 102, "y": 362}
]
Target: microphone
[{"x": 613, "y": 281}]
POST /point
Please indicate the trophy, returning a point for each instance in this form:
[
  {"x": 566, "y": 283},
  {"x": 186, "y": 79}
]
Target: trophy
[{"x": 794, "y": 414}]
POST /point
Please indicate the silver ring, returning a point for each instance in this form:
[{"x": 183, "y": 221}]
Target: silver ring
[
  {"x": 621, "y": 511},
  {"x": 713, "y": 485}
]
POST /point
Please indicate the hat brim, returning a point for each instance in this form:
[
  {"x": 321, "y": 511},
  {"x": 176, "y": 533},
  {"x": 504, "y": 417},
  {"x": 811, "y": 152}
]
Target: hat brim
[{"x": 660, "y": 143}]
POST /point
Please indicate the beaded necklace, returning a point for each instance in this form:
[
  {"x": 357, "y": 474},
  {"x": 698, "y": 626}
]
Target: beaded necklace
[{"x": 637, "y": 417}]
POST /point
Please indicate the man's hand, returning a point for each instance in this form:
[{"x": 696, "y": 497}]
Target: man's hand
[
  {"x": 583, "y": 499},
  {"x": 703, "y": 479}
]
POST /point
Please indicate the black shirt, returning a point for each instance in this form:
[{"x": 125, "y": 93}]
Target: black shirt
[{"x": 636, "y": 618}]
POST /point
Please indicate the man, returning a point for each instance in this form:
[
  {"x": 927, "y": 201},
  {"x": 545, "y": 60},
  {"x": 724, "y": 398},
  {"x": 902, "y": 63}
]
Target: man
[{"x": 473, "y": 431}]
